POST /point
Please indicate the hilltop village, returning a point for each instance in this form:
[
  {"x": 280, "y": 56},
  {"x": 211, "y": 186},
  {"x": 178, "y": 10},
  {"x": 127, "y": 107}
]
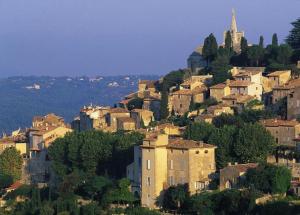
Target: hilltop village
[{"x": 224, "y": 129}]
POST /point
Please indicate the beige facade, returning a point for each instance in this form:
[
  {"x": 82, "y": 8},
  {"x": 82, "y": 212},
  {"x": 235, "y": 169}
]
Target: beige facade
[
  {"x": 251, "y": 74},
  {"x": 279, "y": 78},
  {"x": 48, "y": 120},
  {"x": 179, "y": 101},
  {"x": 196, "y": 81},
  {"x": 283, "y": 131},
  {"x": 125, "y": 124},
  {"x": 142, "y": 116},
  {"x": 219, "y": 91},
  {"x": 217, "y": 110},
  {"x": 246, "y": 88},
  {"x": 237, "y": 101},
  {"x": 166, "y": 162},
  {"x": 93, "y": 117},
  {"x": 293, "y": 104},
  {"x": 114, "y": 114}
]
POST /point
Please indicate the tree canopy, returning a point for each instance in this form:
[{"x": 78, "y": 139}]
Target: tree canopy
[{"x": 11, "y": 163}]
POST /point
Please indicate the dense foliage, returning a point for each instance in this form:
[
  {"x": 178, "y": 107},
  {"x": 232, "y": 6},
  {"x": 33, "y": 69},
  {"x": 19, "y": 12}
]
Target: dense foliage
[
  {"x": 11, "y": 164},
  {"x": 270, "y": 178}
]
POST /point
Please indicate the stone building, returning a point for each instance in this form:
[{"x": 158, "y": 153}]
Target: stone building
[
  {"x": 93, "y": 117},
  {"x": 249, "y": 74},
  {"x": 237, "y": 101},
  {"x": 48, "y": 120},
  {"x": 142, "y": 117},
  {"x": 40, "y": 138},
  {"x": 126, "y": 124},
  {"x": 246, "y": 88},
  {"x": 196, "y": 61},
  {"x": 283, "y": 131},
  {"x": 293, "y": 104},
  {"x": 236, "y": 35},
  {"x": 113, "y": 115},
  {"x": 283, "y": 91},
  {"x": 180, "y": 101},
  {"x": 279, "y": 78},
  {"x": 233, "y": 176},
  {"x": 219, "y": 91},
  {"x": 166, "y": 162}
]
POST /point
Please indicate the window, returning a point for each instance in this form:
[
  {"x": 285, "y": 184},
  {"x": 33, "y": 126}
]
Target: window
[
  {"x": 206, "y": 151},
  {"x": 180, "y": 105},
  {"x": 148, "y": 164},
  {"x": 148, "y": 181},
  {"x": 171, "y": 164},
  {"x": 140, "y": 162},
  {"x": 197, "y": 152}
]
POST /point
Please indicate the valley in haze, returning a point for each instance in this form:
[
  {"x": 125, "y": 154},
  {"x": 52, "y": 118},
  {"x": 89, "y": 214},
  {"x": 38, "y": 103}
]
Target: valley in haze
[{"x": 25, "y": 97}]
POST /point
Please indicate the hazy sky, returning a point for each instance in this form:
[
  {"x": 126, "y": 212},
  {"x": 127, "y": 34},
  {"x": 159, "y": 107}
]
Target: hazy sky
[{"x": 111, "y": 37}]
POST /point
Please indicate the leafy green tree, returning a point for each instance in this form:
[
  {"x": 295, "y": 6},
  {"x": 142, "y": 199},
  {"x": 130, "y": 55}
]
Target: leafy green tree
[
  {"x": 141, "y": 211},
  {"x": 269, "y": 178},
  {"x": 253, "y": 143},
  {"x": 293, "y": 38},
  {"x": 175, "y": 196},
  {"x": 227, "y": 119},
  {"x": 5, "y": 181},
  {"x": 11, "y": 163},
  {"x": 135, "y": 103},
  {"x": 224, "y": 139},
  {"x": 199, "y": 131},
  {"x": 274, "y": 40},
  {"x": 210, "y": 48},
  {"x": 244, "y": 45},
  {"x": 261, "y": 41},
  {"x": 200, "y": 204}
]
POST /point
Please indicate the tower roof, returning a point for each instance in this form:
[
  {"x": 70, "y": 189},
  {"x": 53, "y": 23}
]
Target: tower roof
[{"x": 233, "y": 27}]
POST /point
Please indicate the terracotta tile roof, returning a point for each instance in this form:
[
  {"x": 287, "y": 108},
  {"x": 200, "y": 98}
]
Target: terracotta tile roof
[
  {"x": 187, "y": 144},
  {"x": 215, "y": 107},
  {"x": 290, "y": 85},
  {"x": 186, "y": 83},
  {"x": 239, "y": 98},
  {"x": 149, "y": 83},
  {"x": 125, "y": 101},
  {"x": 278, "y": 73},
  {"x": 219, "y": 86},
  {"x": 243, "y": 73},
  {"x": 166, "y": 125},
  {"x": 199, "y": 89},
  {"x": 15, "y": 185},
  {"x": 238, "y": 83},
  {"x": 118, "y": 110},
  {"x": 279, "y": 122}
]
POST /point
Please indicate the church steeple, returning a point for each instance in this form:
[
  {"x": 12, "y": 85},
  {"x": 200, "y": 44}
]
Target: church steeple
[{"x": 233, "y": 27}]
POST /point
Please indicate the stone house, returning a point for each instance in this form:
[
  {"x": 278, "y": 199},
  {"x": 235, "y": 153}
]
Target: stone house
[
  {"x": 126, "y": 124},
  {"x": 219, "y": 91},
  {"x": 166, "y": 162},
  {"x": 152, "y": 103},
  {"x": 113, "y": 115},
  {"x": 48, "y": 120},
  {"x": 196, "y": 81},
  {"x": 233, "y": 176},
  {"x": 283, "y": 131},
  {"x": 293, "y": 104},
  {"x": 170, "y": 129},
  {"x": 207, "y": 117},
  {"x": 146, "y": 87},
  {"x": 279, "y": 78},
  {"x": 142, "y": 116},
  {"x": 93, "y": 117},
  {"x": 218, "y": 109},
  {"x": 237, "y": 101},
  {"x": 283, "y": 91},
  {"x": 254, "y": 76},
  {"x": 180, "y": 101},
  {"x": 246, "y": 88}
]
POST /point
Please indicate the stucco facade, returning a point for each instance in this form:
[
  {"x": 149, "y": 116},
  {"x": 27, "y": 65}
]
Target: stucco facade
[{"x": 279, "y": 78}]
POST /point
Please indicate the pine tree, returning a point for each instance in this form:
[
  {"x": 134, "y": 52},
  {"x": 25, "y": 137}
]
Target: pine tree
[
  {"x": 293, "y": 38},
  {"x": 274, "y": 40}
]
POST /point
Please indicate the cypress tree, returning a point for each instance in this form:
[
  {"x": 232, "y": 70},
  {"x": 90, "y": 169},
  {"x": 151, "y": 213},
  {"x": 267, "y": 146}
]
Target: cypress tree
[
  {"x": 244, "y": 45},
  {"x": 228, "y": 41},
  {"x": 274, "y": 40},
  {"x": 261, "y": 41},
  {"x": 164, "y": 112}
]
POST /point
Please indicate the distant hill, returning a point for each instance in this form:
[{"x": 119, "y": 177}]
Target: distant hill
[{"x": 24, "y": 97}]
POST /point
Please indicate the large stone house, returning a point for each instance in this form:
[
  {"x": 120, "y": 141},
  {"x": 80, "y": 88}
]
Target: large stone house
[
  {"x": 218, "y": 91},
  {"x": 279, "y": 78},
  {"x": 142, "y": 117},
  {"x": 113, "y": 116},
  {"x": 126, "y": 124},
  {"x": 246, "y": 88},
  {"x": 233, "y": 176},
  {"x": 180, "y": 101},
  {"x": 166, "y": 162},
  {"x": 293, "y": 104},
  {"x": 283, "y": 91},
  {"x": 237, "y": 101},
  {"x": 283, "y": 131}
]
